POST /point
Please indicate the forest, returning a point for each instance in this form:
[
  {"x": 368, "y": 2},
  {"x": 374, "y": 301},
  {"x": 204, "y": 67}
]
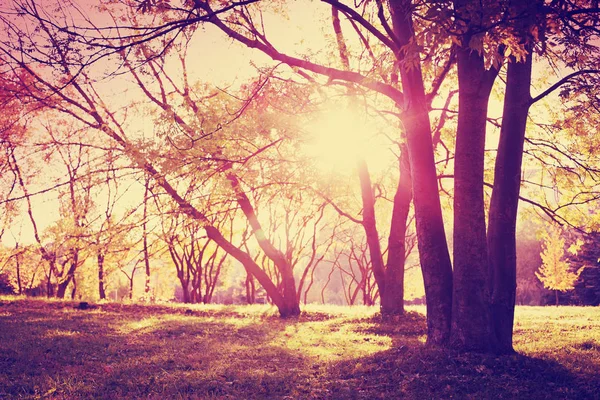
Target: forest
[{"x": 289, "y": 153}]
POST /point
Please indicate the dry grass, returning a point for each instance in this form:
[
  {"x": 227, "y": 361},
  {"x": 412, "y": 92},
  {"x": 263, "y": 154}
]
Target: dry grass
[{"x": 49, "y": 349}]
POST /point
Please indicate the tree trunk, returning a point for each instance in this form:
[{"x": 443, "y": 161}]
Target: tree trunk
[
  {"x": 145, "y": 236},
  {"x": 62, "y": 286},
  {"x": 185, "y": 289},
  {"x": 433, "y": 248},
  {"x": 285, "y": 309},
  {"x": 74, "y": 291},
  {"x": 502, "y": 248},
  {"x": 18, "y": 265},
  {"x": 131, "y": 287},
  {"x": 370, "y": 225},
  {"x": 250, "y": 289},
  {"x": 49, "y": 285},
  {"x": 289, "y": 304},
  {"x": 196, "y": 292},
  {"x": 392, "y": 300},
  {"x": 50, "y": 258},
  {"x": 471, "y": 312},
  {"x": 101, "y": 291}
]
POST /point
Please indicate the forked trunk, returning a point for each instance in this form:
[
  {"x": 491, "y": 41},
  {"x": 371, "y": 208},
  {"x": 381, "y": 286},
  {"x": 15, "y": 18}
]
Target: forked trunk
[
  {"x": 62, "y": 286},
  {"x": 286, "y": 307},
  {"x": 287, "y": 300},
  {"x": 61, "y": 289},
  {"x": 471, "y": 313}
]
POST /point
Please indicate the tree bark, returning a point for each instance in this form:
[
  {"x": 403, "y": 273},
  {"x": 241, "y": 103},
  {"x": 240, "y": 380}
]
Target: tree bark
[
  {"x": 433, "y": 248},
  {"x": 502, "y": 248},
  {"x": 369, "y": 224},
  {"x": 145, "y": 236},
  {"x": 18, "y": 265},
  {"x": 471, "y": 313},
  {"x": 74, "y": 291},
  {"x": 49, "y": 285},
  {"x": 392, "y": 300},
  {"x": 101, "y": 291},
  {"x": 250, "y": 289},
  {"x": 185, "y": 290},
  {"x": 62, "y": 286}
]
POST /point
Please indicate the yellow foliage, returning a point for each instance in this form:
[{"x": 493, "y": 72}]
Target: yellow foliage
[{"x": 555, "y": 273}]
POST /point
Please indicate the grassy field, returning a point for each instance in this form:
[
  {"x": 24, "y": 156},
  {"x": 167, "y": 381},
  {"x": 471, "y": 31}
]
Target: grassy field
[{"x": 50, "y": 349}]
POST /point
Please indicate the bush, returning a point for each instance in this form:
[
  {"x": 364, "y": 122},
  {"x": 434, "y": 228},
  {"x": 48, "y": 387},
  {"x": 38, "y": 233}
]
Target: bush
[{"x": 5, "y": 286}]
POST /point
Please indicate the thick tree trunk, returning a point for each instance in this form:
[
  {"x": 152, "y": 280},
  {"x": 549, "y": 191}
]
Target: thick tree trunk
[
  {"x": 101, "y": 291},
  {"x": 433, "y": 248},
  {"x": 185, "y": 289},
  {"x": 392, "y": 301},
  {"x": 471, "y": 313},
  {"x": 62, "y": 286},
  {"x": 502, "y": 247}
]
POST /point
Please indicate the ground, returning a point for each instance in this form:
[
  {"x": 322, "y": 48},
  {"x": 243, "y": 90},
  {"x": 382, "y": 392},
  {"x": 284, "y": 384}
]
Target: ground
[{"x": 52, "y": 349}]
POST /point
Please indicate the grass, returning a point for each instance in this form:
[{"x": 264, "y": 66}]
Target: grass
[{"x": 50, "y": 349}]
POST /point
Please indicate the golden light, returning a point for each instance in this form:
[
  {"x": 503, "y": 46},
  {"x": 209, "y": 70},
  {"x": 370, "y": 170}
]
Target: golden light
[{"x": 341, "y": 134}]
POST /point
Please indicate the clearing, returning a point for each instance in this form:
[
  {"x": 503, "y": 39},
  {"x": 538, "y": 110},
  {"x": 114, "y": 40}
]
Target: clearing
[{"x": 51, "y": 349}]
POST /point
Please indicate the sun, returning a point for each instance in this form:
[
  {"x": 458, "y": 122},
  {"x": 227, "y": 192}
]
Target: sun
[{"x": 339, "y": 135}]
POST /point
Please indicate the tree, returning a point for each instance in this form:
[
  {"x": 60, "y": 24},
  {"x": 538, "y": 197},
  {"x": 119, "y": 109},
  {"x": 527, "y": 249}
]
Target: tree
[
  {"x": 555, "y": 272},
  {"x": 587, "y": 287},
  {"x": 197, "y": 260}
]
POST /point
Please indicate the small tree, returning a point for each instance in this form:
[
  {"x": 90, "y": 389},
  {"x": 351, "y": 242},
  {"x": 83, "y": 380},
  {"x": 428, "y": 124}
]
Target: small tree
[{"x": 555, "y": 272}]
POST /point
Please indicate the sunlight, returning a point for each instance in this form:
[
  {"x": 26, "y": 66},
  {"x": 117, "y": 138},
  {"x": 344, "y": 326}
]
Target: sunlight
[
  {"x": 55, "y": 333},
  {"x": 331, "y": 341},
  {"x": 340, "y": 135}
]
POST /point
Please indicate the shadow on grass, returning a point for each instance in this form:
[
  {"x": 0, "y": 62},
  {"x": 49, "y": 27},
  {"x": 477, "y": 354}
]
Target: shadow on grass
[
  {"x": 59, "y": 352},
  {"x": 411, "y": 370},
  {"x": 63, "y": 352},
  {"x": 422, "y": 373}
]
